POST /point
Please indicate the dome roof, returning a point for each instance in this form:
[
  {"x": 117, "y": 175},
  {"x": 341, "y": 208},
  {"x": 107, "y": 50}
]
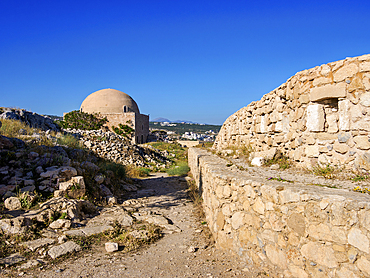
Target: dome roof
[{"x": 109, "y": 101}]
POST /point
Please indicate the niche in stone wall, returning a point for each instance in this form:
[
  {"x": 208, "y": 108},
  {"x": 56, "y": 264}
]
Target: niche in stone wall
[{"x": 323, "y": 116}]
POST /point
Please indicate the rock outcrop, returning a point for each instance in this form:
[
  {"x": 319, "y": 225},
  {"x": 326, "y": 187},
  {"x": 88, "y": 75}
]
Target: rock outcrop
[
  {"x": 320, "y": 115},
  {"x": 32, "y": 119}
]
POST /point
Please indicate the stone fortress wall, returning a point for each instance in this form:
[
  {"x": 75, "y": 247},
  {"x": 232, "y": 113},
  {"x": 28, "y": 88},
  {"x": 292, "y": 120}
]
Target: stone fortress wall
[
  {"x": 296, "y": 231},
  {"x": 320, "y": 115}
]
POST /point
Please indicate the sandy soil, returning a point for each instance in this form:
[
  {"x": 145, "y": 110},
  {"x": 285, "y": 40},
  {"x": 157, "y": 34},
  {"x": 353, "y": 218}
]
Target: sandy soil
[{"x": 189, "y": 253}]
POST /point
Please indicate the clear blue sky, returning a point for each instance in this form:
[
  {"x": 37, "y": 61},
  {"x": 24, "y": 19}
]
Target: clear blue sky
[{"x": 183, "y": 60}]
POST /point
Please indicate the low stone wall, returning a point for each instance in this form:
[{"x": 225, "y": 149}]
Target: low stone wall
[
  {"x": 297, "y": 231},
  {"x": 319, "y": 115}
]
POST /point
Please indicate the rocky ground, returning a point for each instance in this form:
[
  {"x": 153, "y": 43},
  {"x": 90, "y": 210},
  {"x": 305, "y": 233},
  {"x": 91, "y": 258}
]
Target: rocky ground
[{"x": 185, "y": 250}]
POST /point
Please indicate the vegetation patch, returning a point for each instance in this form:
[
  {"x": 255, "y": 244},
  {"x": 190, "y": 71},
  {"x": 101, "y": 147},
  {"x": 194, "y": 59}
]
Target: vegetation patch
[
  {"x": 179, "y": 169},
  {"x": 80, "y": 120},
  {"x": 283, "y": 162},
  {"x": 360, "y": 177},
  {"x": 279, "y": 179},
  {"x": 128, "y": 238},
  {"x": 124, "y": 130},
  {"x": 327, "y": 171}
]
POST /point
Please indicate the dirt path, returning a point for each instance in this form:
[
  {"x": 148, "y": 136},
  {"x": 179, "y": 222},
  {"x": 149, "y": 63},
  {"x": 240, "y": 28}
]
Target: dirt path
[{"x": 179, "y": 254}]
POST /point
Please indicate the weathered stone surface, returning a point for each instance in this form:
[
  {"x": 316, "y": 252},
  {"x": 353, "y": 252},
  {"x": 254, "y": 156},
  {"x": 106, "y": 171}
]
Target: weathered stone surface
[
  {"x": 276, "y": 256},
  {"x": 312, "y": 151},
  {"x": 297, "y": 271},
  {"x": 111, "y": 247},
  {"x": 296, "y": 223},
  {"x": 88, "y": 231},
  {"x": 363, "y": 161},
  {"x": 345, "y": 273},
  {"x": 320, "y": 232},
  {"x": 340, "y": 148},
  {"x": 365, "y": 99},
  {"x": 259, "y": 206},
  {"x": 358, "y": 240},
  {"x": 60, "y": 223},
  {"x": 237, "y": 220},
  {"x": 287, "y": 196},
  {"x": 364, "y": 265},
  {"x": 319, "y": 254},
  {"x": 12, "y": 259},
  {"x": 362, "y": 142},
  {"x": 34, "y": 244},
  {"x": 18, "y": 225},
  {"x": 343, "y": 137},
  {"x": 328, "y": 91},
  {"x": 315, "y": 117},
  {"x": 345, "y": 72},
  {"x": 12, "y": 203},
  {"x": 63, "y": 249}
]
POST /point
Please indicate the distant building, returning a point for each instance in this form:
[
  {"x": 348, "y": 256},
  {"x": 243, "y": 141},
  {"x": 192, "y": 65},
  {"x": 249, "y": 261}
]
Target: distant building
[{"x": 118, "y": 108}]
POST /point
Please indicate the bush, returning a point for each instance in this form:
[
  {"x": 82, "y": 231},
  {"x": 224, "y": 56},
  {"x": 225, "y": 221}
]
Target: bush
[
  {"x": 69, "y": 141},
  {"x": 123, "y": 130},
  {"x": 80, "y": 120},
  {"x": 180, "y": 169}
]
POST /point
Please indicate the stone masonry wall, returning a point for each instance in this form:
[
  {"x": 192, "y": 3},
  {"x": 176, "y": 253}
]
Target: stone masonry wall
[
  {"x": 139, "y": 122},
  {"x": 298, "y": 231},
  {"x": 318, "y": 115}
]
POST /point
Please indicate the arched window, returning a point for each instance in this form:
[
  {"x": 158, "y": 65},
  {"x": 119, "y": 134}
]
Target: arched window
[
  {"x": 124, "y": 109},
  {"x": 142, "y": 127}
]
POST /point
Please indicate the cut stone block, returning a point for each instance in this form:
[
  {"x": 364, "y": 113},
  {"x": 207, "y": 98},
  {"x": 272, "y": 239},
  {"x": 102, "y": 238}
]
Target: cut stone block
[{"x": 328, "y": 91}]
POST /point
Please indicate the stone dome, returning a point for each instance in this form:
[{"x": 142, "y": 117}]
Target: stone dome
[{"x": 109, "y": 101}]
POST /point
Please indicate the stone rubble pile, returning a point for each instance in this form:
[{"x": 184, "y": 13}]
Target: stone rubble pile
[
  {"x": 119, "y": 149},
  {"x": 32, "y": 119},
  {"x": 320, "y": 115}
]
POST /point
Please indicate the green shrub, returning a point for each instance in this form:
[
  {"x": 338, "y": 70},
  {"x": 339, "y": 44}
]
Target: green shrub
[
  {"x": 69, "y": 141},
  {"x": 180, "y": 169},
  {"x": 80, "y": 120},
  {"x": 283, "y": 162},
  {"x": 326, "y": 171},
  {"x": 123, "y": 130}
]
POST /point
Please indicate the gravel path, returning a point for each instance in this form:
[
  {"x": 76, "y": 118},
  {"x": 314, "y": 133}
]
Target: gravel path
[{"x": 188, "y": 253}]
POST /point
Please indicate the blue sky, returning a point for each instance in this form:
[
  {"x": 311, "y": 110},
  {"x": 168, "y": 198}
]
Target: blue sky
[{"x": 190, "y": 60}]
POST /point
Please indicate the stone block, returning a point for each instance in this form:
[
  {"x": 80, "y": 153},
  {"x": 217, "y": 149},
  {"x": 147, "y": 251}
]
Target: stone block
[
  {"x": 320, "y": 232},
  {"x": 332, "y": 120},
  {"x": 315, "y": 117},
  {"x": 343, "y": 137},
  {"x": 237, "y": 220},
  {"x": 356, "y": 84},
  {"x": 297, "y": 223},
  {"x": 63, "y": 249},
  {"x": 364, "y": 265},
  {"x": 13, "y": 203},
  {"x": 340, "y": 147},
  {"x": 345, "y": 72},
  {"x": 276, "y": 256},
  {"x": 359, "y": 240},
  {"x": 312, "y": 151},
  {"x": 365, "y": 66},
  {"x": 287, "y": 196},
  {"x": 362, "y": 142},
  {"x": 259, "y": 206},
  {"x": 37, "y": 243},
  {"x": 328, "y": 91},
  {"x": 319, "y": 254},
  {"x": 365, "y": 99},
  {"x": 344, "y": 114},
  {"x": 111, "y": 247}
]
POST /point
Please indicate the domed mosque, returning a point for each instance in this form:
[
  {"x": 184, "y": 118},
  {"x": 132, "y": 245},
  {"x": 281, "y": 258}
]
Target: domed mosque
[{"x": 118, "y": 108}]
